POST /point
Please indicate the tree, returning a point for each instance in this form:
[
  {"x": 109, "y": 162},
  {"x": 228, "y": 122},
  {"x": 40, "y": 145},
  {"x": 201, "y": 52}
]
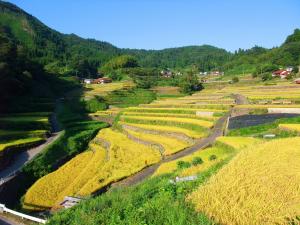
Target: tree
[
  {"x": 189, "y": 83},
  {"x": 143, "y": 77}
]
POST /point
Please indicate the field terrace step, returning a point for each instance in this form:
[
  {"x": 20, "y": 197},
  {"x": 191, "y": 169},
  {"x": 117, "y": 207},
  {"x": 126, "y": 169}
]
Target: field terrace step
[
  {"x": 172, "y": 134},
  {"x": 170, "y": 120},
  {"x": 168, "y": 129}
]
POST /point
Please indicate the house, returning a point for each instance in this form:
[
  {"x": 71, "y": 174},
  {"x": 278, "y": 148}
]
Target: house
[
  {"x": 166, "y": 73},
  {"x": 87, "y": 81},
  {"x": 102, "y": 80},
  {"x": 281, "y": 73}
]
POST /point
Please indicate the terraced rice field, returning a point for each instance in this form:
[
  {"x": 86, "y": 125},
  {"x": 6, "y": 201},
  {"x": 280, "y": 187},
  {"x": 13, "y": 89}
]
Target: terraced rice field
[
  {"x": 290, "y": 127},
  {"x": 21, "y": 131},
  {"x": 92, "y": 90},
  {"x": 112, "y": 156},
  {"x": 259, "y": 186}
]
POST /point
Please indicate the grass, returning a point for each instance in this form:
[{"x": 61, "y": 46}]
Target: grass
[
  {"x": 259, "y": 186},
  {"x": 91, "y": 170}
]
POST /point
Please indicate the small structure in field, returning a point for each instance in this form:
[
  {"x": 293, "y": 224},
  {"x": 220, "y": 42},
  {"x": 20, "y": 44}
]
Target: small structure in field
[
  {"x": 183, "y": 179},
  {"x": 69, "y": 202},
  {"x": 87, "y": 81},
  {"x": 269, "y": 136},
  {"x": 102, "y": 80},
  {"x": 297, "y": 81}
]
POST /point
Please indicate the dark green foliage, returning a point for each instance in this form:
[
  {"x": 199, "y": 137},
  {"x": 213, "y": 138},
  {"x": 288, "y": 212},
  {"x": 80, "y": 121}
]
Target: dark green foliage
[
  {"x": 183, "y": 164},
  {"x": 144, "y": 77},
  {"x": 212, "y": 157},
  {"x": 266, "y": 76},
  {"x": 120, "y": 62},
  {"x": 196, "y": 161},
  {"x": 95, "y": 104},
  {"x": 189, "y": 83},
  {"x": 235, "y": 79}
]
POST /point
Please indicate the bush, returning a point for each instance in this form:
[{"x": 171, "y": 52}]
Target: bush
[
  {"x": 95, "y": 104},
  {"x": 212, "y": 157},
  {"x": 266, "y": 76},
  {"x": 183, "y": 164},
  {"x": 235, "y": 80},
  {"x": 196, "y": 161}
]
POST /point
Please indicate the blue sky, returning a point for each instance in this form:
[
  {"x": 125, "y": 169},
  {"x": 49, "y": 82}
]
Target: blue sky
[{"x": 157, "y": 24}]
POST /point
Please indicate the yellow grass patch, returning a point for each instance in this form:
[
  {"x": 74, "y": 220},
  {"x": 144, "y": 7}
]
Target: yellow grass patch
[{"x": 259, "y": 186}]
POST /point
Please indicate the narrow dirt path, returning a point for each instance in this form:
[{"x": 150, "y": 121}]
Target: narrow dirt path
[{"x": 24, "y": 157}]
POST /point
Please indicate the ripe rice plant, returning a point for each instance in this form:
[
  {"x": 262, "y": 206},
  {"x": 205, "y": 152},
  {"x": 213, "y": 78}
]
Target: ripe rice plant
[
  {"x": 171, "y": 129},
  {"x": 91, "y": 170},
  {"x": 201, "y": 123},
  {"x": 290, "y": 127},
  {"x": 170, "y": 145},
  {"x": 172, "y": 110},
  {"x": 188, "y": 106},
  {"x": 194, "y": 116},
  {"x": 238, "y": 142},
  {"x": 259, "y": 186}
]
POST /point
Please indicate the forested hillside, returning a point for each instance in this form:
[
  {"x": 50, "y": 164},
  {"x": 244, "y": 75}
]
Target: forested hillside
[{"x": 68, "y": 54}]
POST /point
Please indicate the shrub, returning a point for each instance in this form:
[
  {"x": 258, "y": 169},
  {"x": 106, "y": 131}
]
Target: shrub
[
  {"x": 197, "y": 160},
  {"x": 183, "y": 164},
  {"x": 212, "y": 157},
  {"x": 235, "y": 80}
]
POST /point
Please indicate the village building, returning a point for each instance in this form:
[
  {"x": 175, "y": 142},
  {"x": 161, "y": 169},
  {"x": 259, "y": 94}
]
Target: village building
[
  {"x": 282, "y": 73},
  {"x": 102, "y": 80},
  {"x": 166, "y": 73}
]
